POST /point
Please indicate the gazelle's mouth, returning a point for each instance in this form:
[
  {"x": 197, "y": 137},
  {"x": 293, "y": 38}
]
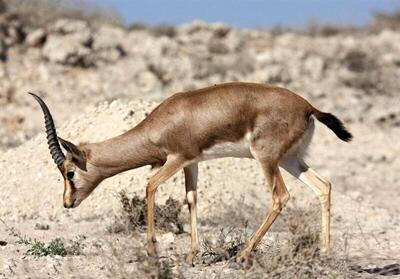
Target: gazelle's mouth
[{"x": 71, "y": 205}]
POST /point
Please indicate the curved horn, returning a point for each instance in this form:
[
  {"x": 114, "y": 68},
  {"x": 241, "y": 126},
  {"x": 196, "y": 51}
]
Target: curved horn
[{"x": 52, "y": 139}]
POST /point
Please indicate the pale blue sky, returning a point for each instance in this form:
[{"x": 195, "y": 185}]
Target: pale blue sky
[{"x": 250, "y": 13}]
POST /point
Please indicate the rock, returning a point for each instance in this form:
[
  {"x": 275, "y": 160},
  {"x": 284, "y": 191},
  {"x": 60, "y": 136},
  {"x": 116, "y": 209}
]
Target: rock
[
  {"x": 108, "y": 37},
  {"x": 107, "y": 43},
  {"x": 68, "y": 49},
  {"x": 43, "y": 227},
  {"x": 194, "y": 26},
  {"x": 69, "y": 43},
  {"x": 109, "y": 55},
  {"x": 74, "y": 43},
  {"x": 36, "y": 38},
  {"x": 11, "y": 29}
]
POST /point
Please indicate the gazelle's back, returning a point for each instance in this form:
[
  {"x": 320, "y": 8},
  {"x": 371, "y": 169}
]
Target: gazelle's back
[{"x": 222, "y": 113}]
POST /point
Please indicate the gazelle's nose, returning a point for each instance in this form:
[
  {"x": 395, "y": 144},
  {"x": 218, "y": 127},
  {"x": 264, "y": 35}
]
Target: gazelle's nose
[{"x": 69, "y": 205}]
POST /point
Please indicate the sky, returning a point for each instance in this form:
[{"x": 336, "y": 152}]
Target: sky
[{"x": 250, "y": 13}]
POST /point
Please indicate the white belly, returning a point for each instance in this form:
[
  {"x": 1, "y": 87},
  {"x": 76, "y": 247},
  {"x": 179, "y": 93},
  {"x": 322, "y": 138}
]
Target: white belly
[{"x": 239, "y": 149}]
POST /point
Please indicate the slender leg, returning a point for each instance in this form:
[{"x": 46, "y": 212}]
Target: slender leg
[
  {"x": 171, "y": 166},
  {"x": 191, "y": 172},
  {"x": 321, "y": 188},
  {"x": 280, "y": 196}
]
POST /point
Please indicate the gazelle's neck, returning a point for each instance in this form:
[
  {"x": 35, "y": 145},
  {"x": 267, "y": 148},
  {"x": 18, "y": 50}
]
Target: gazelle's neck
[{"x": 125, "y": 152}]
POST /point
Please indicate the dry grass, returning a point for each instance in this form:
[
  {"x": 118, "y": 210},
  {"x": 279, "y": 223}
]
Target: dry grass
[
  {"x": 366, "y": 74},
  {"x": 229, "y": 242},
  {"x": 296, "y": 255},
  {"x": 141, "y": 267},
  {"x": 299, "y": 256},
  {"x": 133, "y": 216}
]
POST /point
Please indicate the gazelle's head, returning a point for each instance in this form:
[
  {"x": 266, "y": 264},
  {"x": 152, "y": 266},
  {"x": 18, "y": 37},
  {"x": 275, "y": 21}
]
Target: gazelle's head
[{"x": 80, "y": 179}]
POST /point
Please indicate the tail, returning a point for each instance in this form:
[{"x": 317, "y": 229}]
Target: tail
[{"x": 333, "y": 123}]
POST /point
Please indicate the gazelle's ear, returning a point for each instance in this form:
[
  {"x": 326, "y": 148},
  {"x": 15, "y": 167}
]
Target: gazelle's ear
[{"x": 78, "y": 155}]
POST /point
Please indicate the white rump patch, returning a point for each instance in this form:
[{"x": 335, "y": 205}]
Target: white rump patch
[{"x": 300, "y": 147}]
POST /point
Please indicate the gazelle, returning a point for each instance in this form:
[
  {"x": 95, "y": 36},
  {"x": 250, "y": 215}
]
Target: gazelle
[{"x": 270, "y": 124}]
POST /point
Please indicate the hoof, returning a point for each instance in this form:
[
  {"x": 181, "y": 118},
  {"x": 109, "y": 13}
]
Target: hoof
[
  {"x": 244, "y": 258},
  {"x": 324, "y": 253},
  {"x": 190, "y": 258},
  {"x": 151, "y": 250}
]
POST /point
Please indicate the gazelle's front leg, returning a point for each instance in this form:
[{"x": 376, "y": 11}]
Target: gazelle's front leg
[
  {"x": 191, "y": 172},
  {"x": 171, "y": 166}
]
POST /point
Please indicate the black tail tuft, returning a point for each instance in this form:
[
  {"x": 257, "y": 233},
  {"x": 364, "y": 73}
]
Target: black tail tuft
[{"x": 333, "y": 123}]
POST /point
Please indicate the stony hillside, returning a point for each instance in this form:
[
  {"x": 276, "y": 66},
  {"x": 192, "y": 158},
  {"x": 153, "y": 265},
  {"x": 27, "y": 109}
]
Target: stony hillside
[{"x": 74, "y": 63}]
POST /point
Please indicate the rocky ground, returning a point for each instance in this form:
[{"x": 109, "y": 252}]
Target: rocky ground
[{"x": 100, "y": 80}]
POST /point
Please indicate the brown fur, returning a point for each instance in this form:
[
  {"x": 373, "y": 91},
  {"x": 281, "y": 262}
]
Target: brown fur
[{"x": 203, "y": 118}]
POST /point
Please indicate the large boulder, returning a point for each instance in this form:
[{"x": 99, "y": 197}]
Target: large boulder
[
  {"x": 68, "y": 49},
  {"x": 69, "y": 43},
  {"x": 107, "y": 43},
  {"x": 12, "y": 30},
  {"x": 74, "y": 42}
]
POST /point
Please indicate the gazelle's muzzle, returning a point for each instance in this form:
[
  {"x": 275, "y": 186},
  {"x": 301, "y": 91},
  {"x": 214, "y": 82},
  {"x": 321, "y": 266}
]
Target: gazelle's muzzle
[
  {"x": 70, "y": 204},
  {"x": 69, "y": 196}
]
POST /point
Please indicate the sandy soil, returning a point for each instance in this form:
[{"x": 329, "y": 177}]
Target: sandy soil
[
  {"x": 365, "y": 220},
  {"x": 352, "y": 73}
]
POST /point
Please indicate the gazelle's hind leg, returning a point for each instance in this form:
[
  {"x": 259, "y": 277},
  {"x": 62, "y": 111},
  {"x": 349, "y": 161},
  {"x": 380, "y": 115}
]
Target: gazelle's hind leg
[
  {"x": 299, "y": 169},
  {"x": 280, "y": 196},
  {"x": 191, "y": 172}
]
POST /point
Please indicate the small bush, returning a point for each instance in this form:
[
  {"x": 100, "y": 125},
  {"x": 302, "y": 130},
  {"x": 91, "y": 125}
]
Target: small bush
[
  {"x": 358, "y": 61},
  {"x": 365, "y": 73},
  {"x": 56, "y": 247},
  {"x": 134, "y": 215},
  {"x": 317, "y": 29},
  {"x": 384, "y": 20},
  {"x": 38, "y": 13},
  {"x": 164, "y": 30},
  {"x": 137, "y": 26},
  {"x": 165, "y": 271},
  {"x": 299, "y": 255},
  {"x": 229, "y": 243}
]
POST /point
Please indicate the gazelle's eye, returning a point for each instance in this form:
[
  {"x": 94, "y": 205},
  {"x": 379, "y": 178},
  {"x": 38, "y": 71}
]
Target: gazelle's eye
[{"x": 70, "y": 175}]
